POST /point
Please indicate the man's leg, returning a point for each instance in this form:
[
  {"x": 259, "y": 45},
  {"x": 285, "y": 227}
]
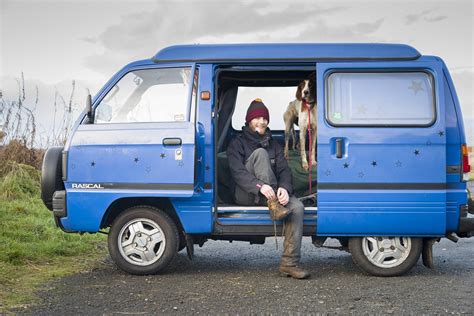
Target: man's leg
[
  {"x": 293, "y": 233},
  {"x": 292, "y": 244},
  {"x": 259, "y": 165}
]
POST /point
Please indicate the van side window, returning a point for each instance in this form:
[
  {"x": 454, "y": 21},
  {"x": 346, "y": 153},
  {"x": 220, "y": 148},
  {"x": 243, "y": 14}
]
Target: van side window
[
  {"x": 152, "y": 95},
  {"x": 380, "y": 99}
]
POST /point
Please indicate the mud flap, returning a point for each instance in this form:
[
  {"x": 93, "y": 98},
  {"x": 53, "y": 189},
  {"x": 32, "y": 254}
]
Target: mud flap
[
  {"x": 427, "y": 252},
  {"x": 190, "y": 246}
]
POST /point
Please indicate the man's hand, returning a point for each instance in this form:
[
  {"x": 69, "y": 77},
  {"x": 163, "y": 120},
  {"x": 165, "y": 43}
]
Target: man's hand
[
  {"x": 283, "y": 196},
  {"x": 267, "y": 191}
]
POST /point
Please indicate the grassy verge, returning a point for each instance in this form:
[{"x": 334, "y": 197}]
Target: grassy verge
[{"x": 33, "y": 250}]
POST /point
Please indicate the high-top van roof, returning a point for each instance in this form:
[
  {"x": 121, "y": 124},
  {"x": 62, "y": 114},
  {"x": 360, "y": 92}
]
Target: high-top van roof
[{"x": 285, "y": 52}]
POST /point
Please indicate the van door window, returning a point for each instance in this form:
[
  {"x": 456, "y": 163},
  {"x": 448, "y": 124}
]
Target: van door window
[
  {"x": 152, "y": 95},
  {"x": 380, "y": 99}
]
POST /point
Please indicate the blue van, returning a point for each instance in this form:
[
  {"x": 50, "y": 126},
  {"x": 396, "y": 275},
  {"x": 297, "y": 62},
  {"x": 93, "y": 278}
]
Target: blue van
[{"x": 146, "y": 160}]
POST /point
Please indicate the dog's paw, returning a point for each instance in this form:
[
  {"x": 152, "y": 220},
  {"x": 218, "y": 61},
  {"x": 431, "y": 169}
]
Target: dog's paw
[
  {"x": 305, "y": 165},
  {"x": 313, "y": 163}
]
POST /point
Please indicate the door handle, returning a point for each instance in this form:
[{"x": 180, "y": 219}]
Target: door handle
[
  {"x": 172, "y": 141},
  {"x": 339, "y": 148}
]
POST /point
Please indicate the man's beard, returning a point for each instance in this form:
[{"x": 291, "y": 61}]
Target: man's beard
[{"x": 260, "y": 130}]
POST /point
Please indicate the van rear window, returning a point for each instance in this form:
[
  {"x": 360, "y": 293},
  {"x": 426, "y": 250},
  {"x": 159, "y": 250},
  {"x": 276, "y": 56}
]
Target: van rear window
[{"x": 380, "y": 99}]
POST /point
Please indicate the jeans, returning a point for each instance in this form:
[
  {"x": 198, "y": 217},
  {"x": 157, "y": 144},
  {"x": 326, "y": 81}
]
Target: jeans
[{"x": 259, "y": 165}]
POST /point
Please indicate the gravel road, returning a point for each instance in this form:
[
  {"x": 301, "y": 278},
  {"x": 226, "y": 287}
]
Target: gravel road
[{"x": 239, "y": 278}]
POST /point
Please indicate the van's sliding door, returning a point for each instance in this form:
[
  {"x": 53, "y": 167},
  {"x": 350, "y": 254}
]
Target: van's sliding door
[{"x": 381, "y": 149}]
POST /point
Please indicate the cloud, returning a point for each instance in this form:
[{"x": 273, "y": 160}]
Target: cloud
[
  {"x": 367, "y": 28},
  {"x": 464, "y": 84},
  {"x": 424, "y": 16},
  {"x": 141, "y": 35},
  {"x": 90, "y": 40},
  {"x": 436, "y": 18}
]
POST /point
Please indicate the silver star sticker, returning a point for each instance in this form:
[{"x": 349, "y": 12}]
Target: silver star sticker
[
  {"x": 416, "y": 86},
  {"x": 361, "y": 109}
]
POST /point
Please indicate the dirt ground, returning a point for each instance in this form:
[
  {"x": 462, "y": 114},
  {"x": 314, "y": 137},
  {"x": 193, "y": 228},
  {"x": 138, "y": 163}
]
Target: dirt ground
[{"x": 239, "y": 278}]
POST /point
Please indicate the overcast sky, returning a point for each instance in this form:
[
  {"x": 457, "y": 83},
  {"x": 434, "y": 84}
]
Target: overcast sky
[{"x": 53, "y": 42}]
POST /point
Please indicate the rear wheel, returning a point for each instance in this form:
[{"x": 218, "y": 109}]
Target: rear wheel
[
  {"x": 385, "y": 256},
  {"x": 143, "y": 240}
]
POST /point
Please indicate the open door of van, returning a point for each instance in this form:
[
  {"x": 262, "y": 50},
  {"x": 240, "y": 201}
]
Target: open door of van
[{"x": 381, "y": 149}]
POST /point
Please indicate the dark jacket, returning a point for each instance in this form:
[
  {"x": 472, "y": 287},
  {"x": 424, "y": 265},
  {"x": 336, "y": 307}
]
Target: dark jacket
[{"x": 240, "y": 149}]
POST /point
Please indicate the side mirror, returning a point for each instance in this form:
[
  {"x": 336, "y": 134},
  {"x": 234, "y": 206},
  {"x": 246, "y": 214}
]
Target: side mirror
[{"x": 90, "y": 113}]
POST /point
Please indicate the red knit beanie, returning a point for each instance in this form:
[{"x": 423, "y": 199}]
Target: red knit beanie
[{"x": 257, "y": 109}]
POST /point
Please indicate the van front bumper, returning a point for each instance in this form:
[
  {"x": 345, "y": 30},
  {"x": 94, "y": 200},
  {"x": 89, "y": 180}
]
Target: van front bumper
[{"x": 59, "y": 204}]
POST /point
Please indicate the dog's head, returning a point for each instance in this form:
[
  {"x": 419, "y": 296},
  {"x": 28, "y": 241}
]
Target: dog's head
[{"x": 307, "y": 89}]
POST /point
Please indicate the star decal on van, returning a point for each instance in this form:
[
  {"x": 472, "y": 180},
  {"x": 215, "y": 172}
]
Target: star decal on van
[
  {"x": 327, "y": 173},
  {"x": 361, "y": 109},
  {"x": 162, "y": 155},
  {"x": 92, "y": 164},
  {"x": 374, "y": 163},
  {"x": 416, "y": 86},
  {"x": 416, "y": 152},
  {"x": 398, "y": 164},
  {"x": 346, "y": 165},
  {"x": 441, "y": 133},
  {"x": 360, "y": 175}
]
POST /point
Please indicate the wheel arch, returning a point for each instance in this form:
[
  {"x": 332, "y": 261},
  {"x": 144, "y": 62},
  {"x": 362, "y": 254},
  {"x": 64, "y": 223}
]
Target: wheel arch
[{"x": 122, "y": 204}]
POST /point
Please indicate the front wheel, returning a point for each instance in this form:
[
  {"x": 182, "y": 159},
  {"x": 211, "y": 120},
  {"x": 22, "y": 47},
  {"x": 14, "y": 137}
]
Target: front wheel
[
  {"x": 385, "y": 256},
  {"x": 143, "y": 240}
]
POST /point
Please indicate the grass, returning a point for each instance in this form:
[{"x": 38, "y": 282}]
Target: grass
[{"x": 33, "y": 250}]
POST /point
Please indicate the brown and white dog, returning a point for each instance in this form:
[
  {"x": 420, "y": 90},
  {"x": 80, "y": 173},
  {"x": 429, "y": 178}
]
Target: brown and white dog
[{"x": 298, "y": 112}]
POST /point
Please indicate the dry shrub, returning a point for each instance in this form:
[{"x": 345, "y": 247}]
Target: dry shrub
[{"x": 18, "y": 152}]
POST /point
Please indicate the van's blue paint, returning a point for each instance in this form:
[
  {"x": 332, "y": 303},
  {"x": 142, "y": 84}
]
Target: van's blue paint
[
  {"x": 404, "y": 155},
  {"x": 113, "y": 149},
  {"x": 284, "y": 52},
  {"x": 131, "y": 153}
]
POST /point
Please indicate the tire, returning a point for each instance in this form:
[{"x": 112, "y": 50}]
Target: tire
[
  {"x": 385, "y": 256},
  {"x": 51, "y": 175},
  {"x": 344, "y": 241},
  {"x": 143, "y": 240}
]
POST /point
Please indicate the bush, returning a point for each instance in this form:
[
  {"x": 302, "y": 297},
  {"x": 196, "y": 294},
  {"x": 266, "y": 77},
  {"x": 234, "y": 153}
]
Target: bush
[
  {"x": 19, "y": 181},
  {"x": 17, "y": 151}
]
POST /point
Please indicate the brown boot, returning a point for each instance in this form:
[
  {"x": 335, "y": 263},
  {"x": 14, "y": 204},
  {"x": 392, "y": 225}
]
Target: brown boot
[
  {"x": 294, "y": 272},
  {"x": 277, "y": 211}
]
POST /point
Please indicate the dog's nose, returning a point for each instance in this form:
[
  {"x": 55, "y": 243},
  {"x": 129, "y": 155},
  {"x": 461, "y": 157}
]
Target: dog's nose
[{"x": 305, "y": 92}]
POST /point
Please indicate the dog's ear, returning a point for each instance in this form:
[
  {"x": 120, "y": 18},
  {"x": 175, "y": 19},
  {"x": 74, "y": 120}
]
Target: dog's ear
[
  {"x": 299, "y": 90},
  {"x": 312, "y": 76}
]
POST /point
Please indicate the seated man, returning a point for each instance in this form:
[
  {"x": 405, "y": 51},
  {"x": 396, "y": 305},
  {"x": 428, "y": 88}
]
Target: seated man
[{"x": 262, "y": 177}]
